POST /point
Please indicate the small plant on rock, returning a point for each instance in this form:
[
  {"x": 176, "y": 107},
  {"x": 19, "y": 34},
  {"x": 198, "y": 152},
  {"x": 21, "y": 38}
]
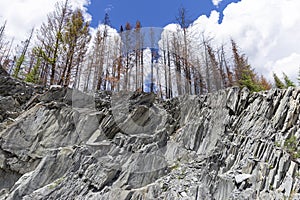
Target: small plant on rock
[
  {"x": 56, "y": 183},
  {"x": 297, "y": 174},
  {"x": 291, "y": 145},
  {"x": 277, "y": 144},
  {"x": 175, "y": 166},
  {"x": 271, "y": 166}
]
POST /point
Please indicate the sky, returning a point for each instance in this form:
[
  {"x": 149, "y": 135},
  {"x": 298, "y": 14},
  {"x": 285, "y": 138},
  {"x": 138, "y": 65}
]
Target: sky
[
  {"x": 268, "y": 32},
  {"x": 154, "y": 13}
]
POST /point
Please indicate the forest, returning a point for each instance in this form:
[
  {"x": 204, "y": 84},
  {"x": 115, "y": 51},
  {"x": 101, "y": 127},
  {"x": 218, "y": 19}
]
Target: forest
[{"x": 65, "y": 51}]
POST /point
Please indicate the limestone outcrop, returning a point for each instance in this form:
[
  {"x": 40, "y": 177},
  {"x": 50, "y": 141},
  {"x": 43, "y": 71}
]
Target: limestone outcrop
[{"x": 61, "y": 143}]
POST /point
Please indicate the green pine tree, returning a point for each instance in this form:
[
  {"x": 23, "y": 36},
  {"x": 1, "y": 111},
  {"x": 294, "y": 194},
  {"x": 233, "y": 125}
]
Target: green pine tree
[
  {"x": 245, "y": 75},
  {"x": 18, "y": 66},
  {"x": 33, "y": 75},
  {"x": 248, "y": 79},
  {"x": 278, "y": 83},
  {"x": 287, "y": 81}
]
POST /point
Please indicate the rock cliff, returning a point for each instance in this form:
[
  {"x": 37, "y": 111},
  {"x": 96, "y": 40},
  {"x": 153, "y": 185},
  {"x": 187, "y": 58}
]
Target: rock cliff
[{"x": 63, "y": 144}]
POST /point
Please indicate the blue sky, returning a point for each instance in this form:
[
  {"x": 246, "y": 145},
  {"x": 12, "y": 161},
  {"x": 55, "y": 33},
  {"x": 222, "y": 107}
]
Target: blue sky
[{"x": 154, "y": 13}]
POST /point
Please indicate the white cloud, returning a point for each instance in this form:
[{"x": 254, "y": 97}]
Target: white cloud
[
  {"x": 267, "y": 32},
  {"x": 216, "y": 2},
  {"x": 23, "y": 15}
]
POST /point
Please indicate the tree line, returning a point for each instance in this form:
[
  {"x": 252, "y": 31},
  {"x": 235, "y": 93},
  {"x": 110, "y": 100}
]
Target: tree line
[
  {"x": 58, "y": 52},
  {"x": 65, "y": 53}
]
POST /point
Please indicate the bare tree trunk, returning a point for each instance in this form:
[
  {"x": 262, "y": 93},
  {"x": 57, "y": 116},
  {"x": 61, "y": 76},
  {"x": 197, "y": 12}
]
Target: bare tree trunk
[
  {"x": 207, "y": 69},
  {"x": 214, "y": 67},
  {"x": 151, "y": 75},
  {"x": 87, "y": 82},
  {"x": 126, "y": 73},
  {"x": 166, "y": 71},
  {"x": 221, "y": 69},
  {"x": 68, "y": 77},
  {"x": 142, "y": 69},
  {"x": 100, "y": 67},
  {"x": 170, "y": 88},
  {"x": 228, "y": 72}
]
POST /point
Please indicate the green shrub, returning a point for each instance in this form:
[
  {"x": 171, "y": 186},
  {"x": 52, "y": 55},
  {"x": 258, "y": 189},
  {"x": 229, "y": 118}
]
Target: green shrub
[{"x": 291, "y": 145}]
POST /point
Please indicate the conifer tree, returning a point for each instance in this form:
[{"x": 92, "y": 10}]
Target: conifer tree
[
  {"x": 228, "y": 74},
  {"x": 33, "y": 75},
  {"x": 265, "y": 85},
  {"x": 2, "y": 29},
  {"x": 278, "y": 83},
  {"x": 75, "y": 38},
  {"x": 152, "y": 40},
  {"x": 216, "y": 75},
  {"x": 19, "y": 62},
  {"x": 97, "y": 59},
  {"x": 127, "y": 26},
  {"x": 244, "y": 74},
  {"x": 51, "y": 39},
  {"x": 182, "y": 19},
  {"x": 298, "y": 78},
  {"x": 288, "y": 82},
  {"x": 21, "y": 59},
  {"x": 248, "y": 79},
  {"x": 4, "y": 51},
  {"x": 138, "y": 52},
  {"x": 126, "y": 36},
  {"x": 106, "y": 20}
]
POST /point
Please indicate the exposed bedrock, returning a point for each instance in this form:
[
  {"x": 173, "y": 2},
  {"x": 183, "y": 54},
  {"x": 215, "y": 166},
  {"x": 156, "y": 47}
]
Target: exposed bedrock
[{"x": 64, "y": 144}]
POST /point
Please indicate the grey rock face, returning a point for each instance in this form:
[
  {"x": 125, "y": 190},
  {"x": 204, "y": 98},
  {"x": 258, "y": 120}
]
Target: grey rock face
[
  {"x": 227, "y": 145},
  {"x": 14, "y": 94},
  {"x": 3, "y": 72}
]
